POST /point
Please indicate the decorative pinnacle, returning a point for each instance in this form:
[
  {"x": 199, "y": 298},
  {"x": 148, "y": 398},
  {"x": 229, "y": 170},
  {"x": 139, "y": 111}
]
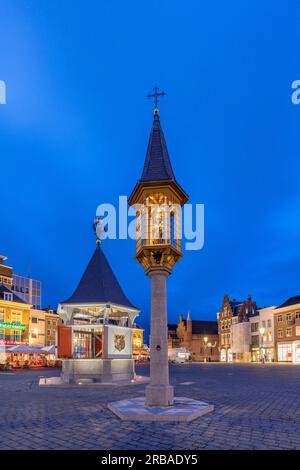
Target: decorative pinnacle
[
  {"x": 155, "y": 96},
  {"x": 98, "y": 229}
]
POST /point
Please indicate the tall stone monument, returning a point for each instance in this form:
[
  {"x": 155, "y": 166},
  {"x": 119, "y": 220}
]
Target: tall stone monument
[{"x": 159, "y": 198}]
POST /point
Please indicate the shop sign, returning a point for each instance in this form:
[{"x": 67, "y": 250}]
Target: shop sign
[{"x": 12, "y": 326}]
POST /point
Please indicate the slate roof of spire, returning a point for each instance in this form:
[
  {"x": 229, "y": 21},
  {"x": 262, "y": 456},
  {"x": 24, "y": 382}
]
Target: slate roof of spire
[
  {"x": 157, "y": 166},
  {"x": 98, "y": 284}
]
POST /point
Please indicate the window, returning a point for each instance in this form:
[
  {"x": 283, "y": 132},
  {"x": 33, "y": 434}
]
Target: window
[
  {"x": 280, "y": 333},
  {"x": 297, "y": 315},
  {"x": 269, "y": 336},
  {"x": 289, "y": 318},
  {"x": 2, "y": 314},
  {"x": 48, "y": 332},
  {"x": 17, "y": 336},
  {"x": 8, "y": 296},
  {"x": 279, "y": 318},
  {"x": 297, "y": 330},
  {"x": 263, "y": 324},
  {"x": 255, "y": 341},
  {"x": 2, "y": 334},
  {"x": 254, "y": 327},
  {"x": 285, "y": 352},
  {"x": 34, "y": 320},
  {"x": 288, "y": 332},
  {"x": 16, "y": 317},
  {"x": 269, "y": 323}
]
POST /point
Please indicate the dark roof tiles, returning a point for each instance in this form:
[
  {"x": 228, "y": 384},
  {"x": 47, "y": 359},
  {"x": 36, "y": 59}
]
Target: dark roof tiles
[
  {"x": 202, "y": 327},
  {"x": 157, "y": 166},
  {"x": 291, "y": 301},
  {"x": 98, "y": 284},
  {"x": 4, "y": 289}
]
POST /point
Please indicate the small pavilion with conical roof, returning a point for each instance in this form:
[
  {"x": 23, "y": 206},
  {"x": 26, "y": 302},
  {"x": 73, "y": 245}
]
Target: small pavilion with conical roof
[
  {"x": 98, "y": 297},
  {"x": 95, "y": 340}
]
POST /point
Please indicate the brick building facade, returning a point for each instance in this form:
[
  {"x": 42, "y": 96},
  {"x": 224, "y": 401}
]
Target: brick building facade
[
  {"x": 200, "y": 337},
  {"x": 233, "y": 313}
]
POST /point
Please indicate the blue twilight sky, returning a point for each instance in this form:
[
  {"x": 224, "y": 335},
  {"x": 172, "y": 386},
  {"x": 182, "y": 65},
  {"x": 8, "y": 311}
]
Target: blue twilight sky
[{"x": 75, "y": 128}]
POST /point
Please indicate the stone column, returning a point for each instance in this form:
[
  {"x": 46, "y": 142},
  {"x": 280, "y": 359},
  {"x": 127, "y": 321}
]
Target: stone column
[{"x": 159, "y": 392}]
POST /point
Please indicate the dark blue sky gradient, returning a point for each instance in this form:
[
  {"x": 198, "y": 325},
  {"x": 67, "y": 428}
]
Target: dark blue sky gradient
[{"x": 75, "y": 128}]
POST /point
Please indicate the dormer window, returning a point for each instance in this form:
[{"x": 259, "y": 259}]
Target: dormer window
[{"x": 8, "y": 296}]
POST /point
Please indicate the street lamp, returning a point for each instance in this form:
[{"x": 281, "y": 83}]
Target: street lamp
[{"x": 262, "y": 332}]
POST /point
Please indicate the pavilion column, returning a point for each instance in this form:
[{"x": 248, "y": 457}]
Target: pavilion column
[{"x": 159, "y": 392}]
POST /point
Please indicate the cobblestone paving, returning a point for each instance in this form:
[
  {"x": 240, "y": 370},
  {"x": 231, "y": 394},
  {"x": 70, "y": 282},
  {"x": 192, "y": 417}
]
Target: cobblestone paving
[{"x": 256, "y": 407}]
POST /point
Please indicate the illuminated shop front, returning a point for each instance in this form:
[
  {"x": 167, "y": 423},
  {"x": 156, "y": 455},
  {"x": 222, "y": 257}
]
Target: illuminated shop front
[
  {"x": 14, "y": 318},
  {"x": 223, "y": 355},
  {"x": 95, "y": 339},
  {"x": 137, "y": 342},
  {"x": 226, "y": 355},
  {"x": 289, "y": 352}
]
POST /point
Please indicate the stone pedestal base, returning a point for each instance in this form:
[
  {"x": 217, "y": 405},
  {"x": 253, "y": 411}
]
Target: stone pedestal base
[
  {"x": 81, "y": 383},
  {"x": 159, "y": 395},
  {"x": 184, "y": 409},
  {"x": 97, "y": 370}
]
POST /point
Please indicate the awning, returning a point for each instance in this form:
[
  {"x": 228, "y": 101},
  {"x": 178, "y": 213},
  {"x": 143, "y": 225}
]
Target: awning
[
  {"x": 49, "y": 349},
  {"x": 24, "y": 348}
]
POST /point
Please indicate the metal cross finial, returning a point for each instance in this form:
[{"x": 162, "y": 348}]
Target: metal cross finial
[{"x": 155, "y": 95}]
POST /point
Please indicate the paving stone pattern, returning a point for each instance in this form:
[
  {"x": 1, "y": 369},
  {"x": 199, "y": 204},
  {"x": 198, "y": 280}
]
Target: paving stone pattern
[{"x": 256, "y": 407}]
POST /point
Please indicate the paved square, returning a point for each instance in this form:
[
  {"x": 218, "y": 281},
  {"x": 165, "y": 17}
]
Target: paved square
[
  {"x": 183, "y": 409},
  {"x": 256, "y": 407}
]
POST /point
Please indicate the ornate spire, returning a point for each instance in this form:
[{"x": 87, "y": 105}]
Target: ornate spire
[{"x": 157, "y": 166}]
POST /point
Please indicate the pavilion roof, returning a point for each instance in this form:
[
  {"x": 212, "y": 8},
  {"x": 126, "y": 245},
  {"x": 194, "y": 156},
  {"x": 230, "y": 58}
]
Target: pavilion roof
[{"x": 99, "y": 284}]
